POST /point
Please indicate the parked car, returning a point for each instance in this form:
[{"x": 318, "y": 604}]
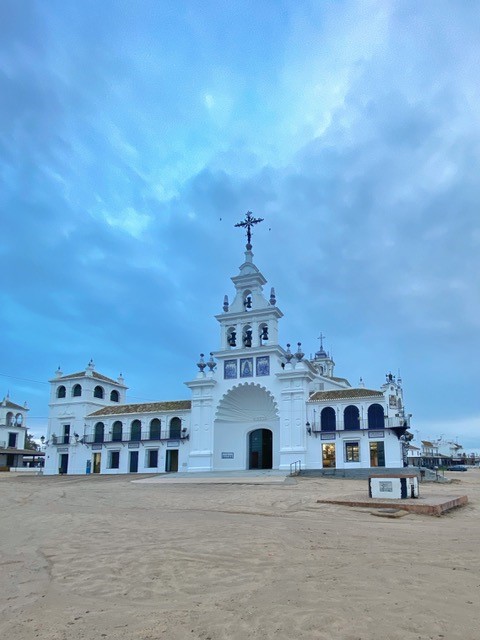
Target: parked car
[{"x": 457, "y": 467}]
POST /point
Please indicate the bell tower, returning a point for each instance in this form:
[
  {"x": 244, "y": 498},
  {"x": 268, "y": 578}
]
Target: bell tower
[
  {"x": 251, "y": 320},
  {"x": 323, "y": 361}
]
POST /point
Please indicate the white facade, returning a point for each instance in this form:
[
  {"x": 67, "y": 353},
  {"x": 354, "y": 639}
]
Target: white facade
[
  {"x": 254, "y": 404},
  {"x": 13, "y": 431}
]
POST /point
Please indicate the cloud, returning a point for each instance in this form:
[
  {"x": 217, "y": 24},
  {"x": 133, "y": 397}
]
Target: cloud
[{"x": 131, "y": 141}]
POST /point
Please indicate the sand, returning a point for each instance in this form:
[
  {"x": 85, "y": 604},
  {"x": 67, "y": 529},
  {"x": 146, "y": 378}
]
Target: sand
[{"x": 102, "y": 557}]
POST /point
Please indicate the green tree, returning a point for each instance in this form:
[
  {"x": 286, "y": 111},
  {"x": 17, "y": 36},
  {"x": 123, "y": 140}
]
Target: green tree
[{"x": 30, "y": 442}]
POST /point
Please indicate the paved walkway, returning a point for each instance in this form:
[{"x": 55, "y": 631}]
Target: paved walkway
[{"x": 261, "y": 476}]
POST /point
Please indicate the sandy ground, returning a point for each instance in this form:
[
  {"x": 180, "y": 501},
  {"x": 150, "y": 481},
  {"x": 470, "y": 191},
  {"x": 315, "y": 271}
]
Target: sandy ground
[{"x": 102, "y": 557}]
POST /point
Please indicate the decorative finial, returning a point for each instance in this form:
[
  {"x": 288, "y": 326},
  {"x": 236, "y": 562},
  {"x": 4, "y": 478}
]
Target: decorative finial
[
  {"x": 299, "y": 353},
  {"x": 273, "y": 299},
  {"x": 211, "y": 364},
  {"x": 249, "y": 222},
  {"x": 201, "y": 363},
  {"x": 288, "y": 354},
  {"x": 225, "y": 304}
]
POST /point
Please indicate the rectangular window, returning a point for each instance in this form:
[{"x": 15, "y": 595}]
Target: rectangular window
[
  {"x": 12, "y": 440},
  {"x": 152, "y": 458},
  {"x": 352, "y": 452},
  {"x": 114, "y": 460}
]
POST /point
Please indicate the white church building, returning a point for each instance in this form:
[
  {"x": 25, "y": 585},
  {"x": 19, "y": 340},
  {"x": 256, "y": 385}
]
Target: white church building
[{"x": 253, "y": 404}]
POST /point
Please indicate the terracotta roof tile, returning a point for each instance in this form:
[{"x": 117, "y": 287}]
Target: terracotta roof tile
[
  {"x": 145, "y": 407},
  {"x": 344, "y": 394},
  {"x": 83, "y": 374},
  {"x": 12, "y": 405}
]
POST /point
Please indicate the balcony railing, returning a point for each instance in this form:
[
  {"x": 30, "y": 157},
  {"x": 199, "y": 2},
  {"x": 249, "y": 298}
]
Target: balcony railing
[
  {"x": 364, "y": 423},
  {"x": 61, "y": 439},
  {"x": 144, "y": 436}
]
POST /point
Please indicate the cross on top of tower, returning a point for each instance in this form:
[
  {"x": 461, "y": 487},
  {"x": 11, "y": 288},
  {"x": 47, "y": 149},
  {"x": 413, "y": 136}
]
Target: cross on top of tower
[
  {"x": 249, "y": 222},
  {"x": 321, "y": 353}
]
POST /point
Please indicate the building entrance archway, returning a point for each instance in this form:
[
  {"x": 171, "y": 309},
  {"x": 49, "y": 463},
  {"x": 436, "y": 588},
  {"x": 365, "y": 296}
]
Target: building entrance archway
[{"x": 260, "y": 449}]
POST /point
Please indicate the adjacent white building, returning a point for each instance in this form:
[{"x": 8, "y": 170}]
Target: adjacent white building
[
  {"x": 12, "y": 433},
  {"x": 253, "y": 404}
]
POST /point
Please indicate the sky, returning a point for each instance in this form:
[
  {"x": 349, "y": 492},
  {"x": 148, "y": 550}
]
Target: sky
[{"x": 135, "y": 134}]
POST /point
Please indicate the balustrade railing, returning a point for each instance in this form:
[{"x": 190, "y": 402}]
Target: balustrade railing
[
  {"x": 61, "y": 439},
  {"x": 361, "y": 423},
  {"x": 144, "y": 436}
]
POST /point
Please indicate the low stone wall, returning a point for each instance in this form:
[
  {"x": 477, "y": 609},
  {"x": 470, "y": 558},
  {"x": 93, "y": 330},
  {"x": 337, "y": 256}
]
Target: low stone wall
[{"x": 360, "y": 473}]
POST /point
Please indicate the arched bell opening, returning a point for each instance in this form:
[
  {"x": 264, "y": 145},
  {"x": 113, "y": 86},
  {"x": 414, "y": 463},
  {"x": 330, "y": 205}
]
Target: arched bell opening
[
  {"x": 247, "y": 300},
  {"x": 263, "y": 333},
  {"x": 232, "y": 337},
  {"x": 247, "y": 336}
]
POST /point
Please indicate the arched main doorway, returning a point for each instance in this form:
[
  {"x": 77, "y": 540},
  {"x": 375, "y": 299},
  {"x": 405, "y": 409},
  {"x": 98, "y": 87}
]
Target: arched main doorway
[{"x": 260, "y": 449}]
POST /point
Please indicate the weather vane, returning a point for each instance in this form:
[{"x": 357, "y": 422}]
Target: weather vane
[{"x": 249, "y": 222}]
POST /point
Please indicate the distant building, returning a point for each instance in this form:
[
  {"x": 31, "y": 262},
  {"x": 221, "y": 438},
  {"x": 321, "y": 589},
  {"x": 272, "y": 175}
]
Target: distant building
[
  {"x": 451, "y": 449},
  {"x": 414, "y": 455},
  {"x": 13, "y": 431},
  {"x": 440, "y": 453},
  {"x": 254, "y": 404}
]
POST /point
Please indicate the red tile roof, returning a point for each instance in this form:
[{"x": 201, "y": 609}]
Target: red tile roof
[
  {"x": 145, "y": 407},
  {"x": 344, "y": 394},
  {"x": 83, "y": 374}
]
